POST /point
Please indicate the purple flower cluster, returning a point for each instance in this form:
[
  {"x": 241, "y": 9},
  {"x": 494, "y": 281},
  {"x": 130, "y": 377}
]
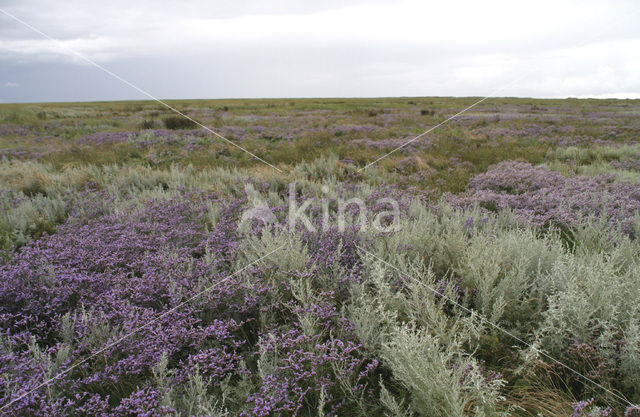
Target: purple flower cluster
[
  {"x": 103, "y": 275},
  {"x": 632, "y": 411},
  {"x": 142, "y": 138},
  {"x": 305, "y": 367},
  {"x": 10, "y": 129},
  {"x": 585, "y": 408},
  {"x": 544, "y": 197},
  {"x": 627, "y": 164}
]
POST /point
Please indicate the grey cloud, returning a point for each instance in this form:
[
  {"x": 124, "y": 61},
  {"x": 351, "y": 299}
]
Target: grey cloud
[{"x": 236, "y": 49}]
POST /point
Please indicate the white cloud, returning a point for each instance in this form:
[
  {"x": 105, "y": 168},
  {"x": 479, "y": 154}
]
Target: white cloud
[
  {"x": 10, "y": 84},
  {"x": 361, "y": 48}
]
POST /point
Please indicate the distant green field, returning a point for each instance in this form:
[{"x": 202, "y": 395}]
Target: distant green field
[{"x": 285, "y": 132}]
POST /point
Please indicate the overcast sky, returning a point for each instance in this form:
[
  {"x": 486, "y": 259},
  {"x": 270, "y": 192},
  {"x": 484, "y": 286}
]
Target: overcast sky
[{"x": 320, "y": 48}]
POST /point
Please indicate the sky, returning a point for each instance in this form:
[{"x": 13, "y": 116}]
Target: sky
[{"x": 288, "y": 48}]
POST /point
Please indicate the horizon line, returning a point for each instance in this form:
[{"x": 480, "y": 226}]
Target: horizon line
[{"x": 315, "y": 98}]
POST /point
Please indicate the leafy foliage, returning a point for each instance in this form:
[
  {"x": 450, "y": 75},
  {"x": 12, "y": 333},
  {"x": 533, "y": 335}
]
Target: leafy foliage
[{"x": 126, "y": 277}]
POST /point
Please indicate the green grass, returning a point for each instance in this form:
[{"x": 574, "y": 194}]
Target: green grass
[{"x": 285, "y": 132}]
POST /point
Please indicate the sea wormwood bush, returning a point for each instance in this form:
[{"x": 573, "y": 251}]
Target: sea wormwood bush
[
  {"x": 197, "y": 398},
  {"x": 27, "y": 176},
  {"x": 391, "y": 405},
  {"x": 420, "y": 346},
  {"x": 596, "y": 238},
  {"x": 290, "y": 253},
  {"x": 620, "y": 175},
  {"x": 320, "y": 168},
  {"x": 508, "y": 269},
  {"x": 630, "y": 359},
  {"x": 592, "y": 296},
  {"x": 596, "y": 305},
  {"x": 441, "y": 379},
  {"x": 418, "y": 298},
  {"x": 584, "y": 156},
  {"x": 436, "y": 236},
  {"x": 368, "y": 310},
  {"x": 25, "y": 218}
]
